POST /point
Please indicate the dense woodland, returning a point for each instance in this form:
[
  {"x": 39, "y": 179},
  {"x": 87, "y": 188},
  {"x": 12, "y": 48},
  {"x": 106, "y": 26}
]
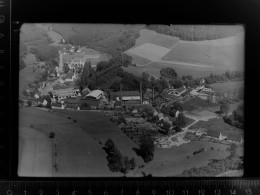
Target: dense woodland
[{"x": 197, "y": 32}]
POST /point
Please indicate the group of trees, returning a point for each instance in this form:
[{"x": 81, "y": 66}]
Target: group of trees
[
  {"x": 197, "y": 32},
  {"x": 227, "y": 76},
  {"x": 147, "y": 148},
  {"x": 114, "y": 44},
  {"x": 236, "y": 119},
  {"x": 116, "y": 161}
]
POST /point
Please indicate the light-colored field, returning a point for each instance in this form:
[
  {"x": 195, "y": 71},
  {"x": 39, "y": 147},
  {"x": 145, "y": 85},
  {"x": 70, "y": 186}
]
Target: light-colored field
[
  {"x": 138, "y": 60},
  {"x": 155, "y": 67},
  {"x": 215, "y": 55},
  {"x": 227, "y": 86},
  {"x": 173, "y": 161},
  {"x": 150, "y": 36},
  {"x": 35, "y": 153},
  {"x": 149, "y": 51}
]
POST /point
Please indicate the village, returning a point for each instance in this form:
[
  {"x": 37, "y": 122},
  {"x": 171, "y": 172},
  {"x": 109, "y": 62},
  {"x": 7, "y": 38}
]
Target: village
[
  {"x": 187, "y": 120},
  {"x": 59, "y": 93}
]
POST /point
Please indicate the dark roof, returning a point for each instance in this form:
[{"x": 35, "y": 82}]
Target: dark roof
[
  {"x": 186, "y": 92},
  {"x": 124, "y": 93},
  {"x": 180, "y": 89},
  {"x": 213, "y": 134},
  {"x": 132, "y": 102},
  {"x": 71, "y": 101},
  {"x": 56, "y": 104},
  {"x": 235, "y": 136},
  {"x": 118, "y": 104},
  {"x": 168, "y": 94},
  {"x": 92, "y": 102}
]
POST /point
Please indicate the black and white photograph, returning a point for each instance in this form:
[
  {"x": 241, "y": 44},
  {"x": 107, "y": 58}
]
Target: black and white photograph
[{"x": 133, "y": 100}]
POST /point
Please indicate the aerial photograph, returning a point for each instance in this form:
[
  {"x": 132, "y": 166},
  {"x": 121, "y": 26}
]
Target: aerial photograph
[{"x": 131, "y": 100}]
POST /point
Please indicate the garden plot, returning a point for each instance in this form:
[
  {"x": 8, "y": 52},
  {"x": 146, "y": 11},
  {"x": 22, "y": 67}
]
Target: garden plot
[{"x": 149, "y": 51}]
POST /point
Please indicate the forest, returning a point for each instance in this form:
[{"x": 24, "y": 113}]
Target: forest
[{"x": 197, "y": 32}]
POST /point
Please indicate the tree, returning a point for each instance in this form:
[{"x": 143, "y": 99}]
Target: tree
[
  {"x": 180, "y": 120},
  {"x": 177, "y": 83},
  {"x": 85, "y": 76},
  {"x": 66, "y": 68},
  {"x": 147, "y": 148},
  {"x": 169, "y": 72},
  {"x": 224, "y": 108}
]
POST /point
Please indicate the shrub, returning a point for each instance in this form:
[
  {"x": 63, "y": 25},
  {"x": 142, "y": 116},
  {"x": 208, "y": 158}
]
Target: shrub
[
  {"x": 147, "y": 148},
  {"x": 85, "y": 106},
  {"x": 48, "y": 105},
  {"x": 29, "y": 103}
]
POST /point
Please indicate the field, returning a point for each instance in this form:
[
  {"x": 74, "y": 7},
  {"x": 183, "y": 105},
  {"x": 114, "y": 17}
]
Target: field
[
  {"x": 79, "y": 152},
  {"x": 26, "y": 74},
  {"x": 196, "y": 58},
  {"x": 149, "y": 51},
  {"x": 31, "y": 33},
  {"x": 150, "y": 36},
  {"x": 154, "y": 69},
  {"x": 227, "y": 86},
  {"x": 138, "y": 60},
  {"x": 173, "y": 161},
  {"x": 100, "y": 128},
  {"x": 103, "y": 30}
]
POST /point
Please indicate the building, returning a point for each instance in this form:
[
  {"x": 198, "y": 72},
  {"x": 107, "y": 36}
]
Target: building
[
  {"x": 180, "y": 90},
  {"x": 186, "y": 92},
  {"x": 65, "y": 93},
  {"x": 126, "y": 96},
  {"x": 169, "y": 94},
  {"x": 95, "y": 94},
  {"x": 69, "y": 77}
]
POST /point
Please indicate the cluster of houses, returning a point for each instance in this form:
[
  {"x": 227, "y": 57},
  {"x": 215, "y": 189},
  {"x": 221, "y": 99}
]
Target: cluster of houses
[{"x": 220, "y": 134}]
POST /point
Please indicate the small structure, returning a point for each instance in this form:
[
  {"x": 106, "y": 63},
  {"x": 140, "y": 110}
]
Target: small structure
[
  {"x": 44, "y": 103},
  {"x": 36, "y": 96}
]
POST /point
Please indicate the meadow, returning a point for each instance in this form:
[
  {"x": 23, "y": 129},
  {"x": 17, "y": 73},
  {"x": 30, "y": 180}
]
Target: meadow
[
  {"x": 236, "y": 85},
  {"x": 173, "y": 161}
]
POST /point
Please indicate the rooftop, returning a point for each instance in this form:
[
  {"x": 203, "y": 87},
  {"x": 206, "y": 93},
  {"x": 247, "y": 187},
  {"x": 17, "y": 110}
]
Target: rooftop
[{"x": 125, "y": 93}]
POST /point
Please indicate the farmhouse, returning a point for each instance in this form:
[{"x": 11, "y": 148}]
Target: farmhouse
[
  {"x": 65, "y": 93},
  {"x": 70, "y": 76},
  {"x": 95, "y": 94},
  {"x": 126, "y": 95},
  {"x": 169, "y": 94}
]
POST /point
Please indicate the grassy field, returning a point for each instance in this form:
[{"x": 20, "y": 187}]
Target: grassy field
[
  {"x": 100, "y": 129},
  {"x": 78, "y": 154},
  {"x": 138, "y": 60},
  {"x": 149, "y": 51},
  {"x": 227, "y": 86},
  {"x": 209, "y": 53},
  {"x": 150, "y": 36},
  {"x": 26, "y": 74},
  {"x": 173, "y": 161}
]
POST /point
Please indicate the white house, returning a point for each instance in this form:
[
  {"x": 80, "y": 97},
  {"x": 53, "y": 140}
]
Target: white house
[
  {"x": 44, "y": 102},
  {"x": 36, "y": 96}
]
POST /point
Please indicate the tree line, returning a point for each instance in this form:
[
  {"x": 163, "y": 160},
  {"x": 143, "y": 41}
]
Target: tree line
[{"x": 197, "y": 32}]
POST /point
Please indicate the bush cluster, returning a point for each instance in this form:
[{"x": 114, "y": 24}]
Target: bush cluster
[{"x": 116, "y": 161}]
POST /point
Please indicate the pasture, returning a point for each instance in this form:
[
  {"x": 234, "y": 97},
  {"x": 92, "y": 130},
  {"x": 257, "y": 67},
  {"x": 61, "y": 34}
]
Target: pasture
[
  {"x": 150, "y": 36},
  {"x": 214, "y": 53},
  {"x": 100, "y": 129},
  {"x": 149, "y": 51},
  {"x": 138, "y": 60},
  {"x": 78, "y": 154},
  {"x": 173, "y": 161},
  {"x": 228, "y": 86},
  {"x": 154, "y": 69}
]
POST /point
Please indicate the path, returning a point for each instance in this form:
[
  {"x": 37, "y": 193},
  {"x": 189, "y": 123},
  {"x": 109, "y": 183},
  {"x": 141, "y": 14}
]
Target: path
[
  {"x": 45, "y": 90},
  {"x": 168, "y": 142}
]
